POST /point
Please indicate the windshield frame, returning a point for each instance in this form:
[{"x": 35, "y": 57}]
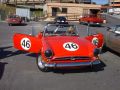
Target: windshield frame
[{"x": 57, "y": 27}]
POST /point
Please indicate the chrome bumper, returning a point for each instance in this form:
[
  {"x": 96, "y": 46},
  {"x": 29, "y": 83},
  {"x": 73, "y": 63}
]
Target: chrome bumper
[
  {"x": 75, "y": 64},
  {"x": 95, "y": 23}
]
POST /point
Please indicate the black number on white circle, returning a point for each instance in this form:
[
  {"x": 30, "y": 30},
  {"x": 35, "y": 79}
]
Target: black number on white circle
[
  {"x": 74, "y": 46},
  {"x": 95, "y": 41},
  {"x": 70, "y": 46},
  {"x": 26, "y": 43}
]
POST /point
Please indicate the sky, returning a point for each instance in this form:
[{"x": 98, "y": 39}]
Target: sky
[{"x": 100, "y": 1}]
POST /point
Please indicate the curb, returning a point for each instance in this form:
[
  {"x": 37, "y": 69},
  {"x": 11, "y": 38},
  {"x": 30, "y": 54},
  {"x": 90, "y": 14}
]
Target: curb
[{"x": 2, "y": 21}]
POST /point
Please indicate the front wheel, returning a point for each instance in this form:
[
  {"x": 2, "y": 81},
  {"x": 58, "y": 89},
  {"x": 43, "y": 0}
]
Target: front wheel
[
  {"x": 104, "y": 48},
  {"x": 80, "y": 22},
  {"x": 41, "y": 64}
]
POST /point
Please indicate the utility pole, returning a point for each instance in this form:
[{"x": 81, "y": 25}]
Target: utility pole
[{"x": 15, "y": 2}]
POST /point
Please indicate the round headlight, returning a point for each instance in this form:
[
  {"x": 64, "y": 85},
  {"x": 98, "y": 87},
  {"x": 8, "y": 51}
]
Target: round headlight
[
  {"x": 96, "y": 52},
  {"x": 48, "y": 53}
]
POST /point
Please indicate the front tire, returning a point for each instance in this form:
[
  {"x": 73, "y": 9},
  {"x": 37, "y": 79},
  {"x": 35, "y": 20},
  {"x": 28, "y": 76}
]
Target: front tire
[
  {"x": 41, "y": 64},
  {"x": 80, "y": 22},
  {"x": 104, "y": 48}
]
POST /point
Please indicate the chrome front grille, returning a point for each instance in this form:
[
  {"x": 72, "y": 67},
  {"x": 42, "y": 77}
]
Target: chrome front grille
[{"x": 73, "y": 58}]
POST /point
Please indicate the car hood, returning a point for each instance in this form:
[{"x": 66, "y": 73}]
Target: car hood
[{"x": 63, "y": 46}]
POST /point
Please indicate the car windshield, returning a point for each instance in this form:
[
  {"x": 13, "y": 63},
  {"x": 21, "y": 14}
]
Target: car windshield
[
  {"x": 118, "y": 29},
  {"x": 60, "y": 18},
  {"x": 61, "y": 30},
  {"x": 13, "y": 16}
]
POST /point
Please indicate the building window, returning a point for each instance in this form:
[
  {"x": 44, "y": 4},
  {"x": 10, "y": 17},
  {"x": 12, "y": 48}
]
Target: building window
[
  {"x": 64, "y": 10},
  {"x": 115, "y": 2}
]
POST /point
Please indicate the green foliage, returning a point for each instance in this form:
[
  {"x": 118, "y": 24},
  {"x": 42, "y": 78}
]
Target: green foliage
[
  {"x": 5, "y": 10},
  {"x": 37, "y": 13}
]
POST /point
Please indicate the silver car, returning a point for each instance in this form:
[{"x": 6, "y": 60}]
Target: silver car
[{"x": 112, "y": 38}]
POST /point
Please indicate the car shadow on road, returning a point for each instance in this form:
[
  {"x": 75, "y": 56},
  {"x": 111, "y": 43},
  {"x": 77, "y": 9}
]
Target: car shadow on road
[
  {"x": 7, "y": 53},
  {"x": 89, "y": 69},
  {"x": 4, "y": 53},
  {"x": 114, "y": 52},
  {"x": 2, "y": 67},
  {"x": 97, "y": 26},
  {"x": 110, "y": 50},
  {"x": 32, "y": 55},
  {"x": 23, "y": 24},
  {"x": 93, "y": 25}
]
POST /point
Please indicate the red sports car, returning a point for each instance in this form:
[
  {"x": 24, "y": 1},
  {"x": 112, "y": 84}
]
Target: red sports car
[
  {"x": 92, "y": 20},
  {"x": 60, "y": 46},
  {"x": 14, "y": 19}
]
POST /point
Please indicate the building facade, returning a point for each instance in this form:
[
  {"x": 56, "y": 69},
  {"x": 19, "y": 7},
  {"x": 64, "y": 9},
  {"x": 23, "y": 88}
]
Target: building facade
[
  {"x": 46, "y": 1},
  {"x": 114, "y": 3},
  {"x": 84, "y": 1},
  {"x": 69, "y": 10},
  {"x": 51, "y": 8},
  {"x": 114, "y": 6},
  {"x": 3, "y": 1}
]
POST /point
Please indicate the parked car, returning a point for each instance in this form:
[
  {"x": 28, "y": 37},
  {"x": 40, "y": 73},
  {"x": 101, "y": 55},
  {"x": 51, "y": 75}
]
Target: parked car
[
  {"x": 61, "y": 47},
  {"x": 59, "y": 20},
  {"x": 14, "y": 19},
  {"x": 91, "y": 19},
  {"x": 114, "y": 13},
  {"x": 25, "y": 19},
  {"x": 112, "y": 38}
]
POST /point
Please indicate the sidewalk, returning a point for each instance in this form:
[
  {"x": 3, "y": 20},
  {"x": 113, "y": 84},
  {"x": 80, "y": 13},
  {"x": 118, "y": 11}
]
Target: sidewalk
[{"x": 2, "y": 21}]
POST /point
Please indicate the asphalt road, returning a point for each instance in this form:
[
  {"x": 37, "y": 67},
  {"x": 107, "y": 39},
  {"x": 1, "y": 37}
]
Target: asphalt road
[{"x": 18, "y": 70}]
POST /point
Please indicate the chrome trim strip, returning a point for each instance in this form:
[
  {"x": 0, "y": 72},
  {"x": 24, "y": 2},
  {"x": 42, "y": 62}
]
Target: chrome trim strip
[
  {"x": 73, "y": 58},
  {"x": 95, "y": 23},
  {"x": 72, "y": 64}
]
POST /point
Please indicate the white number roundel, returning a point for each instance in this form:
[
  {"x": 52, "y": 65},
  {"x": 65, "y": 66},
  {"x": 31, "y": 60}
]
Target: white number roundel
[
  {"x": 26, "y": 43},
  {"x": 70, "y": 46},
  {"x": 95, "y": 41}
]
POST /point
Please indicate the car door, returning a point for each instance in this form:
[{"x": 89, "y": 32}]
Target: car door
[
  {"x": 108, "y": 36},
  {"x": 116, "y": 38},
  {"x": 113, "y": 39},
  {"x": 27, "y": 42}
]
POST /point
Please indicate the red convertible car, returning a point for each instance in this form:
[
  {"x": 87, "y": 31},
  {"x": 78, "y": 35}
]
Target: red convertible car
[{"x": 60, "y": 46}]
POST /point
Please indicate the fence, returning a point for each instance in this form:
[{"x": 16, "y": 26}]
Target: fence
[{"x": 69, "y": 16}]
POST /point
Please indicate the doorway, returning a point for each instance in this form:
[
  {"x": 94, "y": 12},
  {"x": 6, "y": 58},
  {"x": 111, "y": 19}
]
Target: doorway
[{"x": 54, "y": 11}]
